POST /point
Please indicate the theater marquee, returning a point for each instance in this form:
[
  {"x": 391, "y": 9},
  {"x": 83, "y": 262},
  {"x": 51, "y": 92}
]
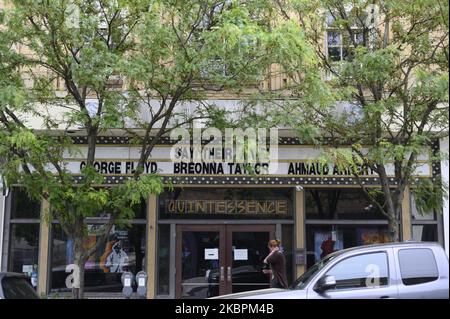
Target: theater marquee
[
  {"x": 290, "y": 162},
  {"x": 293, "y": 168}
]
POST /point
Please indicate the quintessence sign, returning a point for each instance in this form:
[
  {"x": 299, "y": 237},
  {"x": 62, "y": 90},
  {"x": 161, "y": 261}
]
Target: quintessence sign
[{"x": 227, "y": 206}]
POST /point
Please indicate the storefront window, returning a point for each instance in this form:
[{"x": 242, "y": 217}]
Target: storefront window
[
  {"x": 339, "y": 204},
  {"x": 23, "y": 207},
  {"x": 322, "y": 240},
  {"x": 222, "y": 203},
  {"x": 23, "y": 233},
  {"x": 24, "y": 248},
  {"x": 424, "y": 232},
  {"x": 163, "y": 259},
  {"x": 416, "y": 215},
  {"x": 424, "y": 225},
  {"x": 140, "y": 212},
  {"x": 123, "y": 251}
]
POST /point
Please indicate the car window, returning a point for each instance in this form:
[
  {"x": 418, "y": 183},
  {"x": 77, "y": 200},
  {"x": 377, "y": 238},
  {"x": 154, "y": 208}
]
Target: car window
[
  {"x": 17, "y": 288},
  {"x": 417, "y": 266},
  {"x": 362, "y": 271},
  {"x": 304, "y": 279}
]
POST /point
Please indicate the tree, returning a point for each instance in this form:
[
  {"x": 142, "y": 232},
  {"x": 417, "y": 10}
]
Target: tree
[
  {"x": 44, "y": 45},
  {"x": 391, "y": 66},
  {"x": 128, "y": 57}
]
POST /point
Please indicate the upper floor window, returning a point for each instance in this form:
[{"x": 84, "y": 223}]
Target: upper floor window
[
  {"x": 341, "y": 45},
  {"x": 341, "y": 41}
]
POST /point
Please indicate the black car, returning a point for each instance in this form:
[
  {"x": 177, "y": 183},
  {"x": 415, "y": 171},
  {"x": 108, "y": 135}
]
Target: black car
[{"x": 16, "y": 286}]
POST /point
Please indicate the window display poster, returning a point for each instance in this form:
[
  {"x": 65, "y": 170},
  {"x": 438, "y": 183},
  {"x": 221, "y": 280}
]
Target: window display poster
[
  {"x": 114, "y": 256},
  {"x": 368, "y": 236},
  {"x": 324, "y": 243}
]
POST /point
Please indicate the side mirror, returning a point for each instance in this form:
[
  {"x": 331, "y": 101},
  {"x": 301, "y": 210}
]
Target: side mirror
[{"x": 325, "y": 283}]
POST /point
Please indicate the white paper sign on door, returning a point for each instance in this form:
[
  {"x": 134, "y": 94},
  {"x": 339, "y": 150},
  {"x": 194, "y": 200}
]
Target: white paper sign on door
[
  {"x": 27, "y": 268},
  {"x": 240, "y": 254},
  {"x": 211, "y": 253}
]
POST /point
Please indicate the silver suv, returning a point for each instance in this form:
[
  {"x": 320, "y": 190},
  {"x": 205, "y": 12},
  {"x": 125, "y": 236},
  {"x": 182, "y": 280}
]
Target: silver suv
[{"x": 407, "y": 270}]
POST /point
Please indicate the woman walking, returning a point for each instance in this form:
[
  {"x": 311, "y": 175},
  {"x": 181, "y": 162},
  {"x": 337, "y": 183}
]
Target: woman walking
[{"x": 277, "y": 263}]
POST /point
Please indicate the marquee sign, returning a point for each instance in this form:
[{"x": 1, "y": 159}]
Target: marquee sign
[
  {"x": 294, "y": 161},
  {"x": 293, "y": 168}
]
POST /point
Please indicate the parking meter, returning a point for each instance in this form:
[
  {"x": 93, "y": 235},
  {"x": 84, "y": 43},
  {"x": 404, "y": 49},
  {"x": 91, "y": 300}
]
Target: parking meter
[
  {"x": 127, "y": 283},
  {"x": 141, "y": 279}
]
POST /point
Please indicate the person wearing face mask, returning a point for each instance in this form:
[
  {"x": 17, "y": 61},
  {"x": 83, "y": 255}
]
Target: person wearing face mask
[{"x": 117, "y": 259}]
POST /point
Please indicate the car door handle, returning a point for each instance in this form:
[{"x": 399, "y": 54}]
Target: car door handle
[{"x": 385, "y": 297}]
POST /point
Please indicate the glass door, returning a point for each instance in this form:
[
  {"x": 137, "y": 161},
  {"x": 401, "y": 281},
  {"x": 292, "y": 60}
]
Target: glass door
[
  {"x": 200, "y": 261},
  {"x": 247, "y": 247},
  {"x": 214, "y": 260}
]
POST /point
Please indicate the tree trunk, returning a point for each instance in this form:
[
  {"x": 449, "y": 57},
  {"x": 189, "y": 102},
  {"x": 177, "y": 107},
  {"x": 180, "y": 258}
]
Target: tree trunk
[
  {"x": 393, "y": 229},
  {"x": 392, "y": 204},
  {"x": 79, "y": 261}
]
